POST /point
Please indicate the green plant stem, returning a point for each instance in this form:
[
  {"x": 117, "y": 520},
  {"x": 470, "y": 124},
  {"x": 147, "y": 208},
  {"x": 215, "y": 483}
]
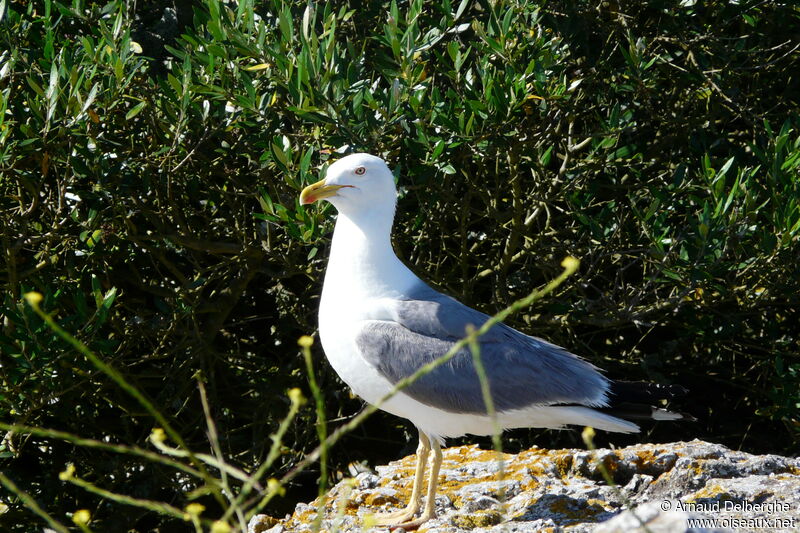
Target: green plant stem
[
  {"x": 127, "y": 387},
  {"x": 274, "y": 452},
  {"x": 322, "y": 433},
  {"x": 486, "y": 392},
  {"x": 588, "y": 439},
  {"x": 100, "y": 445},
  {"x": 150, "y": 505},
  {"x": 31, "y": 504},
  {"x": 213, "y": 437}
]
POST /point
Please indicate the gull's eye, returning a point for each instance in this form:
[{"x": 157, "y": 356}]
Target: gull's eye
[{"x": 360, "y": 171}]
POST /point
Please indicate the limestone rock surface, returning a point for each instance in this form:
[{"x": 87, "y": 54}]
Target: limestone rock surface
[{"x": 677, "y": 487}]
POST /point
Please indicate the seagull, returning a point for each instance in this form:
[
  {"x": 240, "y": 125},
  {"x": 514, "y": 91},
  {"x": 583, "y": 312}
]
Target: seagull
[{"x": 379, "y": 323}]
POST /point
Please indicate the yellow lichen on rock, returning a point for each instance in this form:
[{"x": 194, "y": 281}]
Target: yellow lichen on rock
[
  {"x": 380, "y": 499},
  {"x": 482, "y": 518},
  {"x": 644, "y": 459},
  {"x": 563, "y": 462},
  {"x": 573, "y": 510},
  {"x": 712, "y": 491}
]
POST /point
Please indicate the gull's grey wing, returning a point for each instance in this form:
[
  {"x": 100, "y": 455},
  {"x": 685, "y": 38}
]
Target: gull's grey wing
[{"x": 521, "y": 370}]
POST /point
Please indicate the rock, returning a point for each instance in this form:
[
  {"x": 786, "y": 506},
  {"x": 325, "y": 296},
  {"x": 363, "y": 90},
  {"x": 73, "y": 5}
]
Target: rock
[
  {"x": 652, "y": 518},
  {"x": 264, "y": 524},
  {"x": 679, "y": 487}
]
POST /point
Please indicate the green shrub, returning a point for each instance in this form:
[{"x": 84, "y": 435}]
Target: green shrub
[{"x": 153, "y": 202}]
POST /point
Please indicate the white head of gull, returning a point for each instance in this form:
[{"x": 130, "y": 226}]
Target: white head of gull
[{"x": 379, "y": 323}]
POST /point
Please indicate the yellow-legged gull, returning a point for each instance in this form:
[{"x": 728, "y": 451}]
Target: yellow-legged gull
[{"x": 379, "y": 323}]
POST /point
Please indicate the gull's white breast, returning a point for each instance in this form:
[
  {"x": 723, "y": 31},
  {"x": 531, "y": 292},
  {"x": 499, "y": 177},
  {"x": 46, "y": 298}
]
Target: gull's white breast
[{"x": 338, "y": 329}]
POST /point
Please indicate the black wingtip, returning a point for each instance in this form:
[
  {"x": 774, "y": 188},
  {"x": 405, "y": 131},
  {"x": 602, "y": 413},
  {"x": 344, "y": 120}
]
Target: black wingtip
[
  {"x": 641, "y": 411},
  {"x": 636, "y": 400}
]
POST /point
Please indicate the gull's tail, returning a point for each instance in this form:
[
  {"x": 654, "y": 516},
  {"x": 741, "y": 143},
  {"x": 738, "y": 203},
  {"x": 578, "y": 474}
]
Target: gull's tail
[
  {"x": 626, "y": 400},
  {"x": 634, "y": 400}
]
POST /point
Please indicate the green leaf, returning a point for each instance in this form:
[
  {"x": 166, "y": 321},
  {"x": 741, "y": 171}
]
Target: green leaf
[
  {"x": 286, "y": 26},
  {"x": 175, "y": 84},
  {"x": 280, "y": 156},
  {"x": 108, "y": 299},
  {"x": 52, "y": 90},
  {"x": 544, "y": 159},
  {"x": 437, "y": 150},
  {"x": 305, "y": 162},
  {"x": 97, "y": 291},
  {"x": 94, "y": 238},
  {"x": 461, "y": 8},
  {"x": 726, "y": 167},
  {"x": 91, "y": 97},
  {"x": 135, "y": 110}
]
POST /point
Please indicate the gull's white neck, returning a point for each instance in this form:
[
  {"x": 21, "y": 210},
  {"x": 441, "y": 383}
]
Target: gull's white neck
[{"x": 362, "y": 263}]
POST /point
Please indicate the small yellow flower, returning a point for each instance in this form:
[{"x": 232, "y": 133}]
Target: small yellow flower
[
  {"x": 220, "y": 527},
  {"x": 588, "y": 436},
  {"x": 195, "y": 509},
  {"x": 81, "y": 517},
  {"x": 305, "y": 341},
  {"x": 274, "y": 487},
  {"x": 570, "y": 263},
  {"x": 33, "y": 298},
  {"x": 296, "y": 396},
  {"x": 67, "y": 473},
  {"x": 158, "y": 436}
]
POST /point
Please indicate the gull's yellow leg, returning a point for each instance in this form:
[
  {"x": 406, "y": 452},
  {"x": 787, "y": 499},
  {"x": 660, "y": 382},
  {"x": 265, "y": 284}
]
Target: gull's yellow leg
[
  {"x": 433, "y": 483},
  {"x": 404, "y": 515}
]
